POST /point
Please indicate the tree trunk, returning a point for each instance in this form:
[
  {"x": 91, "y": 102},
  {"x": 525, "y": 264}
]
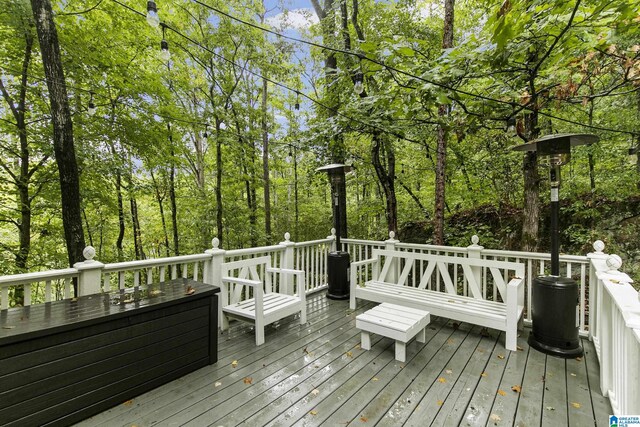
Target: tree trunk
[
  {"x": 386, "y": 178},
  {"x": 137, "y": 233},
  {"x": 441, "y": 150},
  {"x": 218, "y": 189},
  {"x": 265, "y": 166},
  {"x": 160, "y": 200},
  {"x": 62, "y": 130},
  {"x": 121, "y": 223},
  {"x": 531, "y": 210},
  {"x": 336, "y": 146},
  {"x": 172, "y": 200}
]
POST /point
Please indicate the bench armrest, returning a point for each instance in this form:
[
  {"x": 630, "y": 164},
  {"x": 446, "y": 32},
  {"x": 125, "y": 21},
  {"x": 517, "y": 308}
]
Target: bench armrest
[{"x": 284, "y": 270}]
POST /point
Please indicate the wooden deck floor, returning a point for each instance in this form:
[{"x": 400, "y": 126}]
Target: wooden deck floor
[{"x": 318, "y": 375}]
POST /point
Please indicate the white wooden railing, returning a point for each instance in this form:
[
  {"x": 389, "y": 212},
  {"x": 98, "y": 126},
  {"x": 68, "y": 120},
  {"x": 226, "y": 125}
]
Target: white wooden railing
[
  {"x": 615, "y": 330},
  {"x": 609, "y": 306}
]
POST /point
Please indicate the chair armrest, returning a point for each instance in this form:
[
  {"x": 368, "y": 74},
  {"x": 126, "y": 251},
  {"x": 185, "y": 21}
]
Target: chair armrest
[
  {"x": 515, "y": 292},
  {"x": 248, "y": 282},
  {"x": 283, "y": 270}
]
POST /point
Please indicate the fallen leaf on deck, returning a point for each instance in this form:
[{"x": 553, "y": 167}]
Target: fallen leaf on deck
[
  {"x": 305, "y": 351},
  {"x": 234, "y": 363},
  {"x": 516, "y": 388},
  {"x": 455, "y": 325},
  {"x": 316, "y": 366},
  {"x": 128, "y": 403},
  {"x": 190, "y": 291},
  {"x": 442, "y": 380},
  {"x": 579, "y": 359},
  {"x": 573, "y": 375},
  {"x": 314, "y": 412},
  {"x": 448, "y": 371},
  {"x": 502, "y": 392},
  {"x": 247, "y": 380},
  {"x": 484, "y": 374},
  {"x": 374, "y": 379},
  {"x": 576, "y": 405},
  {"x": 550, "y": 408},
  {"x": 450, "y": 341},
  {"x": 364, "y": 419},
  {"x": 315, "y": 392},
  {"x": 519, "y": 348},
  {"x": 440, "y": 402},
  {"x": 484, "y": 332},
  {"x": 500, "y": 356},
  {"x": 349, "y": 354},
  {"x": 358, "y": 347},
  {"x": 8, "y": 327},
  {"x": 495, "y": 418},
  {"x": 217, "y": 384}
]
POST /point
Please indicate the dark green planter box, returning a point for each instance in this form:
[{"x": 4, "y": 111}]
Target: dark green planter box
[{"x": 65, "y": 361}]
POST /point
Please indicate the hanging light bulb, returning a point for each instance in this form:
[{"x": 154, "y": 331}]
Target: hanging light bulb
[
  {"x": 297, "y": 106},
  {"x": 223, "y": 126},
  {"x": 164, "y": 47},
  {"x": 511, "y": 125},
  {"x": 358, "y": 88},
  {"x": 91, "y": 109},
  {"x": 152, "y": 14}
]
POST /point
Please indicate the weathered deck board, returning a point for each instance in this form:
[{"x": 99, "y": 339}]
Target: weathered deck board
[{"x": 317, "y": 374}]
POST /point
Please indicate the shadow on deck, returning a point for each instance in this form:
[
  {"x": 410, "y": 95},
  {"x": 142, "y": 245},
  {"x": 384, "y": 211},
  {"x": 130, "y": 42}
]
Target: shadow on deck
[{"x": 318, "y": 375}]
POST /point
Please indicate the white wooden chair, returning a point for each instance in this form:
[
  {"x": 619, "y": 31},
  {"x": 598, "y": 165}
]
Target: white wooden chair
[{"x": 248, "y": 293}]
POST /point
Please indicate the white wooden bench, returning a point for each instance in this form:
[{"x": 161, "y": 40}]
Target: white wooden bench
[
  {"x": 248, "y": 293},
  {"x": 409, "y": 279},
  {"x": 393, "y": 321}
]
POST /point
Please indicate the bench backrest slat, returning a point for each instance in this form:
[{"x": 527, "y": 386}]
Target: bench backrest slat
[{"x": 470, "y": 267}]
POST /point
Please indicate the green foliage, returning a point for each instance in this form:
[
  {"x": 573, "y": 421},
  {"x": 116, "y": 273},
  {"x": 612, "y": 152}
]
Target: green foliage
[{"x": 582, "y": 57}]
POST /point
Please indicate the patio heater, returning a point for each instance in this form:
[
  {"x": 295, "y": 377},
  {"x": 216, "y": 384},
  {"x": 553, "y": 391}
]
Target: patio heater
[
  {"x": 338, "y": 260},
  {"x": 555, "y": 299}
]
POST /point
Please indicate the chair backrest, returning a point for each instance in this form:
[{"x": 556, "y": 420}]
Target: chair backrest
[{"x": 251, "y": 269}]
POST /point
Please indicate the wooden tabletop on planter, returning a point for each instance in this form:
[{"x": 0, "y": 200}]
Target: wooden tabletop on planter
[{"x": 22, "y": 323}]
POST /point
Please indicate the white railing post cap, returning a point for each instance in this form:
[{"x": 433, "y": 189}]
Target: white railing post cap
[
  {"x": 474, "y": 243},
  {"x": 88, "y": 253},
  {"x": 215, "y": 244},
  {"x": 392, "y": 237},
  {"x": 614, "y": 262},
  {"x": 333, "y": 234},
  {"x": 287, "y": 240},
  {"x": 598, "y": 246}
]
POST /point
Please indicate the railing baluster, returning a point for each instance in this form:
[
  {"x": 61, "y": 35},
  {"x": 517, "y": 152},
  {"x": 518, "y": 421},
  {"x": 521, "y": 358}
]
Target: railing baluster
[
  {"x": 67, "y": 288},
  {"x": 185, "y": 267},
  {"x": 136, "y": 278},
  {"x": 149, "y": 276},
  {"x": 195, "y": 270},
  {"x": 47, "y": 291},
  {"x": 174, "y": 271},
  {"x": 121, "y": 280},
  {"x": 27, "y": 294},
  {"x": 162, "y": 273}
]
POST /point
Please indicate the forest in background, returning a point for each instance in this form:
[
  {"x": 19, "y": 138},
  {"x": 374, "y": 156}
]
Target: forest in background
[{"x": 223, "y": 136}]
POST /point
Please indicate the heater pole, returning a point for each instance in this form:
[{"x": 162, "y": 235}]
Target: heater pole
[{"x": 554, "y": 177}]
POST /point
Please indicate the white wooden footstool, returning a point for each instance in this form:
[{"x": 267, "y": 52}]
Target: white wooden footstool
[{"x": 395, "y": 322}]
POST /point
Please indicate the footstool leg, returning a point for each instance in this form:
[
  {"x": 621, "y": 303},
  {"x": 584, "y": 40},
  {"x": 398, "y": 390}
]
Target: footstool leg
[
  {"x": 365, "y": 341},
  {"x": 422, "y": 336},
  {"x": 401, "y": 351}
]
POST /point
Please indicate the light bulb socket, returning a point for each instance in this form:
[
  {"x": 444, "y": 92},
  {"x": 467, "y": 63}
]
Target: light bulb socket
[
  {"x": 151, "y": 6},
  {"x": 164, "y": 45},
  {"x": 297, "y": 106},
  {"x": 91, "y": 109}
]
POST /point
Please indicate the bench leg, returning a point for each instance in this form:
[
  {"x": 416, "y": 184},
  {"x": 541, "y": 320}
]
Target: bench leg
[
  {"x": 422, "y": 336},
  {"x": 365, "y": 340},
  {"x": 401, "y": 351},
  {"x": 511, "y": 339}
]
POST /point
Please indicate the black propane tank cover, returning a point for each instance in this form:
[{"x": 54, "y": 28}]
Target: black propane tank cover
[{"x": 555, "y": 318}]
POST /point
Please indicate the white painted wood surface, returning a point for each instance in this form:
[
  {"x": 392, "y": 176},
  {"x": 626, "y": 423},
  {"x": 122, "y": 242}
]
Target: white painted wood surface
[
  {"x": 253, "y": 291},
  {"x": 397, "y": 322},
  {"x": 393, "y": 274}
]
